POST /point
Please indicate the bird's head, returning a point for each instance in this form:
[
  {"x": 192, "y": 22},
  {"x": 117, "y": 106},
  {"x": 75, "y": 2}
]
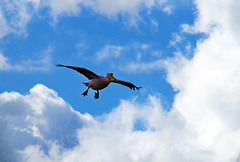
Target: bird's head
[{"x": 110, "y": 76}]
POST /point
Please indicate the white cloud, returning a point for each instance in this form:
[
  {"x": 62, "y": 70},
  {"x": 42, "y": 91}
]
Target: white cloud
[
  {"x": 202, "y": 125},
  {"x": 109, "y": 52},
  {"x": 208, "y": 83},
  {"x": 142, "y": 67},
  {"x": 208, "y": 95},
  {"x": 215, "y": 14},
  {"x": 4, "y": 63},
  {"x": 129, "y": 58},
  {"x": 176, "y": 39},
  {"x": 43, "y": 63},
  {"x": 128, "y": 9},
  {"x": 63, "y": 8},
  {"x": 3, "y": 25},
  {"x": 50, "y": 130},
  {"x": 43, "y": 127},
  {"x": 39, "y": 118},
  {"x": 15, "y": 15}
]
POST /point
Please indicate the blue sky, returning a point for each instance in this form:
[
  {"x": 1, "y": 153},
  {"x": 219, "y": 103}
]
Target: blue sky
[
  {"x": 79, "y": 40},
  {"x": 184, "y": 54}
]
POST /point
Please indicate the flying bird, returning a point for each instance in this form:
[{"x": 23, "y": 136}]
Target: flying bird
[{"x": 98, "y": 82}]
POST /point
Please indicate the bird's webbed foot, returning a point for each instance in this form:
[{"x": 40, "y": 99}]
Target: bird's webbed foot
[
  {"x": 96, "y": 95},
  {"x": 85, "y": 93}
]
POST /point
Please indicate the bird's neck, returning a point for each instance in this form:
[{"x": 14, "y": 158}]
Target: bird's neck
[{"x": 107, "y": 80}]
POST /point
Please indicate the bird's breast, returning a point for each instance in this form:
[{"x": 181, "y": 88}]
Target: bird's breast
[{"x": 98, "y": 84}]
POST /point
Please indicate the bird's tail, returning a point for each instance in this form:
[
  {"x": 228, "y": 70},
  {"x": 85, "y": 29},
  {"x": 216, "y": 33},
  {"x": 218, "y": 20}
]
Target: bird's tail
[{"x": 86, "y": 84}]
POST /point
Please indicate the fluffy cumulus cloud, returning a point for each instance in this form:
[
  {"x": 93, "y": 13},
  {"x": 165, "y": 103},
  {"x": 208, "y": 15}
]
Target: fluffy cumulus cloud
[
  {"x": 203, "y": 124},
  {"x": 40, "y": 118},
  {"x": 41, "y": 126},
  {"x": 208, "y": 84},
  {"x": 215, "y": 14}
]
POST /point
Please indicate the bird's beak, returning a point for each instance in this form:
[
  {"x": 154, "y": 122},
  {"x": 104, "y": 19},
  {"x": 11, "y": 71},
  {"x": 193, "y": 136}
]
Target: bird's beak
[{"x": 114, "y": 79}]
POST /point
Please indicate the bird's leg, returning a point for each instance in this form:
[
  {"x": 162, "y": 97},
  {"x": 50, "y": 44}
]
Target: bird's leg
[
  {"x": 97, "y": 95},
  {"x": 85, "y": 93}
]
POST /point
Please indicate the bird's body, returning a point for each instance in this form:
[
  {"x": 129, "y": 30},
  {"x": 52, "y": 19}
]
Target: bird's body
[{"x": 99, "y": 82}]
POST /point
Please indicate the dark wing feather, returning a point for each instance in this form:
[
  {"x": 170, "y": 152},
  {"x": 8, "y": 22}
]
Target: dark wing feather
[
  {"x": 128, "y": 84},
  {"x": 87, "y": 73}
]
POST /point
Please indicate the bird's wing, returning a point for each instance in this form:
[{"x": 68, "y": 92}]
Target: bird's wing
[
  {"x": 87, "y": 73},
  {"x": 128, "y": 84}
]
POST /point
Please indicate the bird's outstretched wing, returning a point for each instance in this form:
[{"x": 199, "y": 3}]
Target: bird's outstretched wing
[
  {"x": 87, "y": 73},
  {"x": 128, "y": 84}
]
